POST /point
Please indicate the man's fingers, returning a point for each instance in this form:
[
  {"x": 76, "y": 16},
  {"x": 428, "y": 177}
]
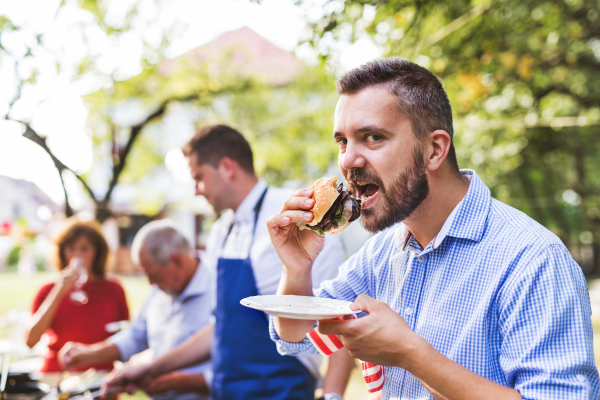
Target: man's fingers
[
  {"x": 65, "y": 360},
  {"x": 298, "y": 215},
  {"x": 289, "y": 217},
  {"x": 303, "y": 193},
  {"x": 295, "y": 209},
  {"x": 364, "y": 303},
  {"x": 299, "y": 201},
  {"x": 115, "y": 380},
  {"x": 131, "y": 388},
  {"x": 277, "y": 221},
  {"x": 334, "y": 326}
]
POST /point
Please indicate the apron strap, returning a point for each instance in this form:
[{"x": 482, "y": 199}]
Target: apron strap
[{"x": 257, "y": 209}]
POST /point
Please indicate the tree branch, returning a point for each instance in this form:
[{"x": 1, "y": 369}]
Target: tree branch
[
  {"x": 68, "y": 208},
  {"x": 40, "y": 141},
  {"x": 135, "y": 131}
]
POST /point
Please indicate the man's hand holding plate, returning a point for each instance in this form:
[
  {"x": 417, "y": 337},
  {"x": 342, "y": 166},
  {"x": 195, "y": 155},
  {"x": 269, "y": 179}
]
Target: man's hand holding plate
[{"x": 383, "y": 337}]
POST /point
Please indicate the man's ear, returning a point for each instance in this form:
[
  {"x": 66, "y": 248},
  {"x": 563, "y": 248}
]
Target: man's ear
[
  {"x": 177, "y": 260},
  {"x": 227, "y": 167},
  {"x": 438, "y": 145}
]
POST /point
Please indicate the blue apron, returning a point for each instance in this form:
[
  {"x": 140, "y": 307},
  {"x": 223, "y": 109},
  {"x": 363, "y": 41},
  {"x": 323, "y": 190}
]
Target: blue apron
[{"x": 245, "y": 360}]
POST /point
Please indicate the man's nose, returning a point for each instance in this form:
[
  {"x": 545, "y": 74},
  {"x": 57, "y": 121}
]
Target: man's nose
[
  {"x": 352, "y": 157},
  {"x": 199, "y": 189}
]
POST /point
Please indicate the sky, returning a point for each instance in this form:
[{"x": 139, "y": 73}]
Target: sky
[{"x": 54, "y": 106}]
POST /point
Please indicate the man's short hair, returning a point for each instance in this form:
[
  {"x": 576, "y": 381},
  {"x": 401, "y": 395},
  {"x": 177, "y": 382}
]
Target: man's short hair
[
  {"x": 212, "y": 143},
  {"x": 161, "y": 239},
  {"x": 420, "y": 95}
]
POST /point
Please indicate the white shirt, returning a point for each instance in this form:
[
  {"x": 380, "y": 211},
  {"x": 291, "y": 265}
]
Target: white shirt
[{"x": 266, "y": 265}]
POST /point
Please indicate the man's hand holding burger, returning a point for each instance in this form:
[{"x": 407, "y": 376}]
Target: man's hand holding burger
[
  {"x": 296, "y": 233},
  {"x": 296, "y": 248}
]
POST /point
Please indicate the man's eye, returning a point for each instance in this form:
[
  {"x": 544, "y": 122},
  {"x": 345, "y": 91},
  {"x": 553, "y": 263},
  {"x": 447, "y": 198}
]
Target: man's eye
[
  {"x": 372, "y": 138},
  {"x": 341, "y": 141}
]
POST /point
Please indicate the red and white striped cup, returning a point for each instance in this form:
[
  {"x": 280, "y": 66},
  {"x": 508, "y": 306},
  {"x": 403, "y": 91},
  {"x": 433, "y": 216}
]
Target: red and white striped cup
[{"x": 329, "y": 344}]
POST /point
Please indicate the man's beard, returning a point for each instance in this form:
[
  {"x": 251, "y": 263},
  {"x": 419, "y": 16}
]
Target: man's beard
[{"x": 400, "y": 200}]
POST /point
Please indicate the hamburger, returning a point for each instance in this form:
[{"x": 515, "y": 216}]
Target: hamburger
[{"x": 334, "y": 208}]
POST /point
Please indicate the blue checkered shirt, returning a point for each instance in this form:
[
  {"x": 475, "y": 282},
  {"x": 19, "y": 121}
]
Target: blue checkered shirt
[{"x": 495, "y": 292}]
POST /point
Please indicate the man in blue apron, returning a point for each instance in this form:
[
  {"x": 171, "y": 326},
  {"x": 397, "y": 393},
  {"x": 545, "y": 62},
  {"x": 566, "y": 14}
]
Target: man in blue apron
[{"x": 245, "y": 361}]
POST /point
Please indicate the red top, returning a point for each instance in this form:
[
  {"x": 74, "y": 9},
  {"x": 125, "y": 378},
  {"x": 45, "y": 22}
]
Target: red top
[{"x": 83, "y": 323}]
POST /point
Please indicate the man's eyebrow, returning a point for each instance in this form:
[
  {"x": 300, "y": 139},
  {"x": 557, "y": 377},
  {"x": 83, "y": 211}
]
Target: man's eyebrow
[
  {"x": 373, "y": 128},
  {"x": 365, "y": 129}
]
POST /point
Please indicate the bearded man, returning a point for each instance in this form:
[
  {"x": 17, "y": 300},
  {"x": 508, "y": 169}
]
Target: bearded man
[{"x": 467, "y": 298}]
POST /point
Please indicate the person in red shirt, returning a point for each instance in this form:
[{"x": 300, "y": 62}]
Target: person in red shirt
[{"x": 59, "y": 314}]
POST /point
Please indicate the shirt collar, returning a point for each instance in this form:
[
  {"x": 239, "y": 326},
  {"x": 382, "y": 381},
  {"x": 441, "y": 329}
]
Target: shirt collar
[
  {"x": 199, "y": 284},
  {"x": 467, "y": 219},
  {"x": 470, "y": 219},
  {"x": 245, "y": 211}
]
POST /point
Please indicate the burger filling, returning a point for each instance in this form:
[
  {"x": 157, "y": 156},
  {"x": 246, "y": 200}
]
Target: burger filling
[{"x": 344, "y": 210}]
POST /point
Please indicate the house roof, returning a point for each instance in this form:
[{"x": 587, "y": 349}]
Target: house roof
[
  {"x": 19, "y": 189},
  {"x": 241, "y": 52}
]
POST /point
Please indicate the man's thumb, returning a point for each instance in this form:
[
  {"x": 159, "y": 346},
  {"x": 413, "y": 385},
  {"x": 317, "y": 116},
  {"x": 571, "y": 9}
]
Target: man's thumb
[{"x": 364, "y": 303}]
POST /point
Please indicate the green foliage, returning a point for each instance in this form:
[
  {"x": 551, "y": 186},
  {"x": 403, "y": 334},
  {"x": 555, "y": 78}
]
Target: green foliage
[
  {"x": 289, "y": 127},
  {"x": 14, "y": 255},
  {"x": 523, "y": 77}
]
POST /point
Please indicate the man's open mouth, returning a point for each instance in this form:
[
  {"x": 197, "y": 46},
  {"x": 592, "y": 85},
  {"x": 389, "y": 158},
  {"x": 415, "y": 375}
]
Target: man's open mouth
[{"x": 364, "y": 190}]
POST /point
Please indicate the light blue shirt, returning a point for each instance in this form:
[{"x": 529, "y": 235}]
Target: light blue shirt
[
  {"x": 166, "y": 321},
  {"x": 495, "y": 292}
]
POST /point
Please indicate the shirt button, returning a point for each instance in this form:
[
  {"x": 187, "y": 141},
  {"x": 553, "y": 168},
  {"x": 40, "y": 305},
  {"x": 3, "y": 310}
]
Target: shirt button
[
  {"x": 408, "y": 311},
  {"x": 421, "y": 258},
  {"x": 580, "y": 378}
]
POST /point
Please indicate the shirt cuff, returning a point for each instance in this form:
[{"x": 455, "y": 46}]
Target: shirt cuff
[
  {"x": 208, "y": 377},
  {"x": 126, "y": 344},
  {"x": 290, "y": 349}
]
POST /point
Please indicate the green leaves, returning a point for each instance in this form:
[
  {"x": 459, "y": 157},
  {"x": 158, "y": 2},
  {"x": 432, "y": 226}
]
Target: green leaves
[{"x": 523, "y": 77}]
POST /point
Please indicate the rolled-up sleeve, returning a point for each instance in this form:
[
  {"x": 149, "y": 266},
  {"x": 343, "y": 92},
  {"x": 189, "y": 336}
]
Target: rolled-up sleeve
[
  {"x": 134, "y": 339},
  {"x": 290, "y": 349},
  {"x": 545, "y": 321}
]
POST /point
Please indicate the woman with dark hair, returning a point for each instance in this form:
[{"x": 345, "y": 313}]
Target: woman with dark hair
[{"x": 80, "y": 249}]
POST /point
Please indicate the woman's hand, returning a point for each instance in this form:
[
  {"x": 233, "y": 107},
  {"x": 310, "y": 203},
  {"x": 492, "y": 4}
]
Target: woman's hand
[{"x": 68, "y": 277}]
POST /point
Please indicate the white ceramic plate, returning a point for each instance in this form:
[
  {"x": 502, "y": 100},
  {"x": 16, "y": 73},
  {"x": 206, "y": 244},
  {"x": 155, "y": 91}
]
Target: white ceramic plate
[{"x": 299, "y": 307}]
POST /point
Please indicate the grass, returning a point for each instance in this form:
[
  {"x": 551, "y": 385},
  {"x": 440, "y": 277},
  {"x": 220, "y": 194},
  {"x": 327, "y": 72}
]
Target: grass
[{"x": 17, "y": 293}]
